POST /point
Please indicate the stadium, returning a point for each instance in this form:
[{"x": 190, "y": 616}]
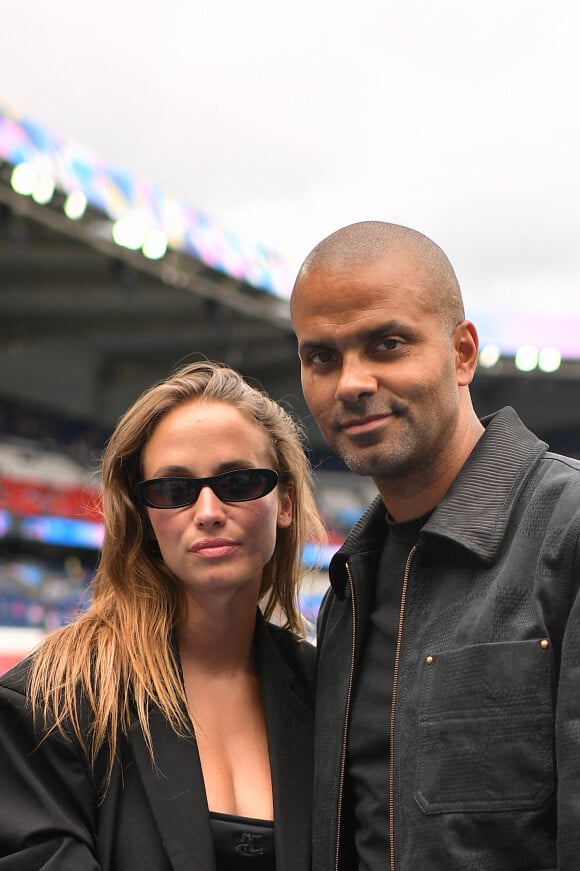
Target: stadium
[{"x": 106, "y": 285}]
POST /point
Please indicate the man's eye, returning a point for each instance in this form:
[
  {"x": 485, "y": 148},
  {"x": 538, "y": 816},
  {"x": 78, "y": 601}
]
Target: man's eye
[
  {"x": 388, "y": 344},
  {"x": 321, "y": 357}
]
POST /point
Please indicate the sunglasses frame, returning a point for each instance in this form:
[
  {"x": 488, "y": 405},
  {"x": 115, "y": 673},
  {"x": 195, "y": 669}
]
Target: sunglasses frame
[{"x": 197, "y": 485}]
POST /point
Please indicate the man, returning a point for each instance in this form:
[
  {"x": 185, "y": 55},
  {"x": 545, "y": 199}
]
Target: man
[{"x": 448, "y": 712}]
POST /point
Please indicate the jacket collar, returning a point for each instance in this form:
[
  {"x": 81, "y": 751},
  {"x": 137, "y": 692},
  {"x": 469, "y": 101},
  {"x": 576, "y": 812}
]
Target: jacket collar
[{"x": 476, "y": 509}]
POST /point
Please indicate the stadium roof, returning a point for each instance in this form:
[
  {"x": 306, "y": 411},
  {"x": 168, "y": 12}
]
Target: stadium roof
[{"x": 106, "y": 285}]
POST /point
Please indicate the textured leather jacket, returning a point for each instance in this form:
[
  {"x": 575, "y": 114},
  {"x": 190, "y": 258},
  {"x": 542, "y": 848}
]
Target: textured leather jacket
[{"x": 485, "y": 749}]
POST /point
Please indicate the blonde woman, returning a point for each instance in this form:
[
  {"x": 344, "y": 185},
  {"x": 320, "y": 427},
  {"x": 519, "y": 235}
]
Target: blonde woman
[{"x": 170, "y": 726}]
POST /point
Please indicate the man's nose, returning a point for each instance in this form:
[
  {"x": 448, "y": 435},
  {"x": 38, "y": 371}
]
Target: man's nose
[{"x": 356, "y": 380}]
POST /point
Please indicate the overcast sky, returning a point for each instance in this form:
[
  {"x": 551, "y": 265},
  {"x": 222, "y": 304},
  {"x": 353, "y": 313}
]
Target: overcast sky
[{"x": 286, "y": 121}]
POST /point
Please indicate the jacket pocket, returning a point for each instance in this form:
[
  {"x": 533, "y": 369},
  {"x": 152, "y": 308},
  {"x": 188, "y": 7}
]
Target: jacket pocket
[{"x": 486, "y": 733}]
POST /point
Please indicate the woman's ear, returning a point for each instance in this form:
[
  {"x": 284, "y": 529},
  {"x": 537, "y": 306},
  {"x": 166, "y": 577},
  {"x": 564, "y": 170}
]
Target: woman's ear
[{"x": 285, "y": 509}]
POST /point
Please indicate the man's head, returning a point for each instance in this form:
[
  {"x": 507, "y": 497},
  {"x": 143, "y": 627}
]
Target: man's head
[
  {"x": 371, "y": 241},
  {"x": 386, "y": 354}
]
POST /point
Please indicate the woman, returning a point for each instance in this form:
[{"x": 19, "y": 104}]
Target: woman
[{"x": 170, "y": 726}]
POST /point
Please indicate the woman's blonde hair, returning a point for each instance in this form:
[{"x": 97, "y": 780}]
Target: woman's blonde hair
[{"x": 119, "y": 653}]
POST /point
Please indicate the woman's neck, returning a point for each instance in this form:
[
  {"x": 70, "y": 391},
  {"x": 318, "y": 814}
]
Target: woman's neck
[{"x": 218, "y": 636}]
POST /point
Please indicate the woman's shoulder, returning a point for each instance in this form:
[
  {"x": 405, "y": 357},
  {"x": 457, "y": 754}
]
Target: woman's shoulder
[
  {"x": 33, "y": 724},
  {"x": 298, "y": 653},
  {"x": 16, "y": 693},
  {"x": 16, "y": 679}
]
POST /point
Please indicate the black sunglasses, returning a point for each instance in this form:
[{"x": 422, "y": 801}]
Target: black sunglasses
[{"x": 241, "y": 485}]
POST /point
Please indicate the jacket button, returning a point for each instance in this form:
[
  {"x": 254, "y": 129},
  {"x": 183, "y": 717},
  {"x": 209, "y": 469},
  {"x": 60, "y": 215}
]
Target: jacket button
[
  {"x": 544, "y": 643},
  {"x": 429, "y": 659}
]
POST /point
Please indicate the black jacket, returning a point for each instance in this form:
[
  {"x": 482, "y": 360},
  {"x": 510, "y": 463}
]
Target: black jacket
[
  {"x": 153, "y": 817},
  {"x": 486, "y": 764}
]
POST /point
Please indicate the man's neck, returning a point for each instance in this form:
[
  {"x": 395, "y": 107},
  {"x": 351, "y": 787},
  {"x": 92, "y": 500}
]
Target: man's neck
[{"x": 416, "y": 494}]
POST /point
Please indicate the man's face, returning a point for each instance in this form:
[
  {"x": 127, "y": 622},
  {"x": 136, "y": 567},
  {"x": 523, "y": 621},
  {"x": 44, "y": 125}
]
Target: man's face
[{"x": 378, "y": 367}]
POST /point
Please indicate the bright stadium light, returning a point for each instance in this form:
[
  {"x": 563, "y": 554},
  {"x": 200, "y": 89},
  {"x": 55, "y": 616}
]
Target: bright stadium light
[
  {"x": 43, "y": 190},
  {"x": 128, "y": 232},
  {"x": 155, "y": 244},
  {"x": 526, "y": 358},
  {"x": 549, "y": 360},
  {"x": 75, "y": 205},
  {"x": 23, "y": 179},
  {"x": 489, "y": 356}
]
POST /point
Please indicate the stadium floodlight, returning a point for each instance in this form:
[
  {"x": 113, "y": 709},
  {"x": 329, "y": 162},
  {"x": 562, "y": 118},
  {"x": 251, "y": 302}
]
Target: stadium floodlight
[
  {"x": 43, "y": 190},
  {"x": 526, "y": 358},
  {"x": 489, "y": 356},
  {"x": 23, "y": 179},
  {"x": 128, "y": 232},
  {"x": 75, "y": 205},
  {"x": 154, "y": 244},
  {"x": 549, "y": 359}
]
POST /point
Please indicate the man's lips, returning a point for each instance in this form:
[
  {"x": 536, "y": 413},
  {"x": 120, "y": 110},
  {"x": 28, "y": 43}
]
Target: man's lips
[
  {"x": 213, "y": 547},
  {"x": 363, "y": 424}
]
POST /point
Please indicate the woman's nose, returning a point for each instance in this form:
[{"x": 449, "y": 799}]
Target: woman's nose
[{"x": 208, "y": 508}]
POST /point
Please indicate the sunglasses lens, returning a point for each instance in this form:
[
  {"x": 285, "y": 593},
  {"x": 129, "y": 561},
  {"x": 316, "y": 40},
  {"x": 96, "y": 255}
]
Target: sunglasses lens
[
  {"x": 171, "y": 492},
  {"x": 244, "y": 485}
]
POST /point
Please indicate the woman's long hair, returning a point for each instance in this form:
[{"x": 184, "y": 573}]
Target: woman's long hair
[{"x": 118, "y": 655}]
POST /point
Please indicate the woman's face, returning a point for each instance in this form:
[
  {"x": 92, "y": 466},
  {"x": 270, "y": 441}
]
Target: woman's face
[{"x": 213, "y": 546}]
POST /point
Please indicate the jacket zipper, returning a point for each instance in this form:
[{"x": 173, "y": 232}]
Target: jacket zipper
[
  {"x": 394, "y": 705},
  {"x": 346, "y": 718}
]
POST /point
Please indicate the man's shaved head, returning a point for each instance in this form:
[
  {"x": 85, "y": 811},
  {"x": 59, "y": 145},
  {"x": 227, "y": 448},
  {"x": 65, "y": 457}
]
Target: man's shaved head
[{"x": 371, "y": 241}]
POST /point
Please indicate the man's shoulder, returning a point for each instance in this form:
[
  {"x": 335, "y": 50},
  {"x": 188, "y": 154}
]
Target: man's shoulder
[
  {"x": 568, "y": 466},
  {"x": 557, "y": 479}
]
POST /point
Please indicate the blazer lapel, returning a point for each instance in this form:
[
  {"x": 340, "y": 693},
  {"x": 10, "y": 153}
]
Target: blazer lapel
[
  {"x": 290, "y": 723},
  {"x": 173, "y": 783}
]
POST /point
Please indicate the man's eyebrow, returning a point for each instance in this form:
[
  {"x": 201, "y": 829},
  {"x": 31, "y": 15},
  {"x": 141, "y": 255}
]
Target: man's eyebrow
[
  {"x": 308, "y": 344},
  {"x": 386, "y": 328}
]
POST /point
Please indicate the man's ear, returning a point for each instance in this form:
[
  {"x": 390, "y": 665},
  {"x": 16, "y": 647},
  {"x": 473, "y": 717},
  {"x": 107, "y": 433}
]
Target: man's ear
[{"x": 466, "y": 343}]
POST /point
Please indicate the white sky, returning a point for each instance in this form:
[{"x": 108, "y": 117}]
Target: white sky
[{"x": 286, "y": 121}]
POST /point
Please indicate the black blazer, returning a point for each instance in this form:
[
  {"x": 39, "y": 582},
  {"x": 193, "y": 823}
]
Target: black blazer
[{"x": 154, "y": 815}]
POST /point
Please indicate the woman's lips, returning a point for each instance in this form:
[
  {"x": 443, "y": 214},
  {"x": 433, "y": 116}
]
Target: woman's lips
[{"x": 213, "y": 547}]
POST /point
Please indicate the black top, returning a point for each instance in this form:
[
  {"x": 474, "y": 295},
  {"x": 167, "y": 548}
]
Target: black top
[
  {"x": 367, "y": 775},
  {"x": 243, "y": 843}
]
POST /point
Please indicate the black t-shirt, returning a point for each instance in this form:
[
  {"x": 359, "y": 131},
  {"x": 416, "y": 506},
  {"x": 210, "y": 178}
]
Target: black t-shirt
[{"x": 367, "y": 763}]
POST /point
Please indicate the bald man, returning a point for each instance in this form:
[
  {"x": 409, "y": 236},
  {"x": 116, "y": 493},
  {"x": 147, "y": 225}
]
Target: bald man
[{"x": 448, "y": 711}]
